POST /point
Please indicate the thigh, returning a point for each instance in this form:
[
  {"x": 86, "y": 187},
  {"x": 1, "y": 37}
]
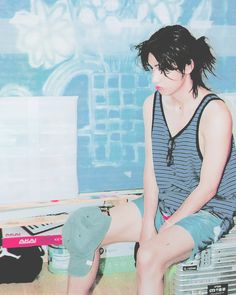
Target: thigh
[
  {"x": 187, "y": 237},
  {"x": 204, "y": 228},
  {"x": 170, "y": 246},
  {"x": 126, "y": 224}
]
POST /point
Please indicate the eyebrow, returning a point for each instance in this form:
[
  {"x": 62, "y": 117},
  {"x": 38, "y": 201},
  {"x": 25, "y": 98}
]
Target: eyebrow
[{"x": 156, "y": 65}]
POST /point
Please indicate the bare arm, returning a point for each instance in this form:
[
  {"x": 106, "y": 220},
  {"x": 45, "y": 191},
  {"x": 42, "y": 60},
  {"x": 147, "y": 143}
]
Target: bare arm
[
  {"x": 150, "y": 186},
  {"x": 216, "y": 132}
]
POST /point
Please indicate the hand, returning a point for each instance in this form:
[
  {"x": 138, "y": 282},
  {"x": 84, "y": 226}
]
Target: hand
[{"x": 147, "y": 233}]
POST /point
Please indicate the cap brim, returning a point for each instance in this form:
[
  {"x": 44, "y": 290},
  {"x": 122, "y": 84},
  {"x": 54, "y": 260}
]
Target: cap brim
[{"x": 80, "y": 266}]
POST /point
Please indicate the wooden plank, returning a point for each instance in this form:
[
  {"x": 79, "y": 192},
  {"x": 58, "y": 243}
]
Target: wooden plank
[
  {"x": 82, "y": 198},
  {"x": 107, "y": 199},
  {"x": 35, "y": 220}
]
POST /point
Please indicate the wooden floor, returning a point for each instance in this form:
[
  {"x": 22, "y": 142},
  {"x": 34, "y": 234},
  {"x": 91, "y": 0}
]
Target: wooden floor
[{"x": 55, "y": 284}]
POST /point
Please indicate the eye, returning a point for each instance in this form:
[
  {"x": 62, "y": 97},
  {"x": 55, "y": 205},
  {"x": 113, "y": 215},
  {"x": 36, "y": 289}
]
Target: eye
[
  {"x": 152, "y": 66},
  {"x": 166, "y": 72}
]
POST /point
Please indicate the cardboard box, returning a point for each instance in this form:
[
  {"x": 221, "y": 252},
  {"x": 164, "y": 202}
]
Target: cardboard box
[{"x": 117, "y": 258}]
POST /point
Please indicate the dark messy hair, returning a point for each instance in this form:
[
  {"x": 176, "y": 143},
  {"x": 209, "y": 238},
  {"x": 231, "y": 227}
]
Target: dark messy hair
[{"x": 174, "y": 47}]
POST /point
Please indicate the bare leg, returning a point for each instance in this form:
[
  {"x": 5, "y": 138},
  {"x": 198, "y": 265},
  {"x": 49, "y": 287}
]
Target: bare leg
[
  {"x": 125, "y": 226},
  {"x": 156, "y": 255},
  {"x": 82, "y": 285}
]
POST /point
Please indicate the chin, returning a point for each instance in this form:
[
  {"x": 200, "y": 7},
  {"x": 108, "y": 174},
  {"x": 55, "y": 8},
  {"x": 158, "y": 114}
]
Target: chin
[
  {"x": 164, "y": 92},
  {"x": 159, "y": 89}
]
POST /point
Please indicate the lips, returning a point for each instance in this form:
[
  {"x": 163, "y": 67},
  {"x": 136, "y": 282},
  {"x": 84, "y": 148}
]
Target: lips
[{"x": 158, "y": 88}]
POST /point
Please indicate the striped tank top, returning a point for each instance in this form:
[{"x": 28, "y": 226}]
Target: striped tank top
[{"x": 177, "y": 164}]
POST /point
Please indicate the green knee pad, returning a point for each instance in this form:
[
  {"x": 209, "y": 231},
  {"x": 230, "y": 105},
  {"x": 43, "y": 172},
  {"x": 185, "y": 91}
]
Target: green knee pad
[{"x": 82, "y": 233}]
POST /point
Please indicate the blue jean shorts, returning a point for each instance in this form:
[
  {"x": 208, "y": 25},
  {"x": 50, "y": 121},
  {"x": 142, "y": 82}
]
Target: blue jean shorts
[{"x": 204, "y": 227}]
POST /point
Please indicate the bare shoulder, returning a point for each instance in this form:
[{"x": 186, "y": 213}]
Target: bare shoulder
[
  {"x": 148, "y": 106},
  {"x": 216, "y": 115},
  {"x": 148, "y": 103},
  {"x": 147, "y": 112}
]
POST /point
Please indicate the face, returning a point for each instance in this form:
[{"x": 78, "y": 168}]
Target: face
[{"x": 166, "y": 83}]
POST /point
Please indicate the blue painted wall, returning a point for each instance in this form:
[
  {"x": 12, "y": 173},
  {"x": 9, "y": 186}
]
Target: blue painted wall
[{"x": 83, "y": 48}]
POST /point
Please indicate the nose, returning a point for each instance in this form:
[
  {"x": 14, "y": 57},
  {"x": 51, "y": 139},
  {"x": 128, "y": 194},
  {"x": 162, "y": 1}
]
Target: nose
[{"x": 156, "y": 76}]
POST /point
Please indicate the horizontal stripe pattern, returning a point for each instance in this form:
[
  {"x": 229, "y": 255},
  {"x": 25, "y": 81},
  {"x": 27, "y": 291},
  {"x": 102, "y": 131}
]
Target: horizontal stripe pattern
[{"x": 178, "y": 180}]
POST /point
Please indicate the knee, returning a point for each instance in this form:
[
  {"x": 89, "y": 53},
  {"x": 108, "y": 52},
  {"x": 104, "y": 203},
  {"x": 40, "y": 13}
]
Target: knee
[
  {"x": 144, "y": 258},
  {"x": 150, "y": 261},
  {"x": 82, "y": 234},
  {"x": 85, "y": 226}
]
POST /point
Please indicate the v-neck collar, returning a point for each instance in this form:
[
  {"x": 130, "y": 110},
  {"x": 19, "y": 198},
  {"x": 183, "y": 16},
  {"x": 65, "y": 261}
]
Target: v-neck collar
[{"x": 182, "y": 129}]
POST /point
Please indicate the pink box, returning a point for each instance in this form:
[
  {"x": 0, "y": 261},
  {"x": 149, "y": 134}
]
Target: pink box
[{"x": 18, "y": 237}]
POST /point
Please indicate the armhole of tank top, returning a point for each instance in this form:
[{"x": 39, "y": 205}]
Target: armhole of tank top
[
  {"x": 198, "y": 124},
  {"x": 154, "y": 107}
]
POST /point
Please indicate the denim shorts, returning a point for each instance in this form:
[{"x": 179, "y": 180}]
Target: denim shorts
[{"x": 204, "y": 227}]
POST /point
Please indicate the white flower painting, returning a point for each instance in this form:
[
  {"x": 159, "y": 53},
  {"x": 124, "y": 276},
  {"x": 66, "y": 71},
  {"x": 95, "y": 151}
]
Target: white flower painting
[{"x": 45, "y": 33}]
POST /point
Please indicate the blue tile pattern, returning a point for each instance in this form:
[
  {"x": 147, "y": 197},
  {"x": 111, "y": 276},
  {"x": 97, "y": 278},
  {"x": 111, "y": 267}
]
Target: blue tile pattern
[{"x": 84, "y": 48}]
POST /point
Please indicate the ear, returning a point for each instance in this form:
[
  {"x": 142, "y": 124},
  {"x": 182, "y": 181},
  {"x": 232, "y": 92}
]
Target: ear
[{"x": 189, "y": 67}]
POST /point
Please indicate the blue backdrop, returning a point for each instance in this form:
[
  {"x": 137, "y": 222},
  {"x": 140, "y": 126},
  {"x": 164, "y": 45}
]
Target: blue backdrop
[{"x": 84, "y": 48}]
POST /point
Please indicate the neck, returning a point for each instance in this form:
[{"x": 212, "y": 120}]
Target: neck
[
  {"x": 188, "y": 101},
  {"x": 184, "y": 96}
]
